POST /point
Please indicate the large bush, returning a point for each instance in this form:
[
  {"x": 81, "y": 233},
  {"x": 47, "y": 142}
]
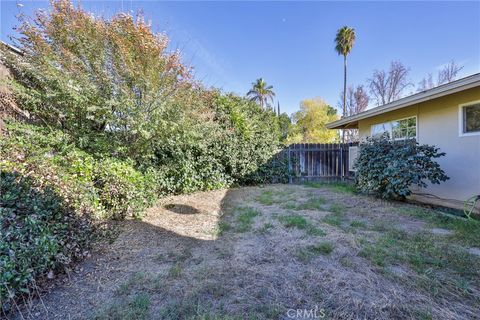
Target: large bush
[
  {"x": 111, "y": 84},
  {"x": 114, "y": 121},
  {"x": 389, "y": 168},
  {"x": 107, "y": 187},
  {"x": 123, "y": 191},
  {"x": 52, "y": 195},
  {"x": 40, "y": 233},
  {"x": 250, "y": 137},
  {"x": 50, "y": 158},
  {"x": 234, "y": 139},
  {"x": 114, "y": 88}
]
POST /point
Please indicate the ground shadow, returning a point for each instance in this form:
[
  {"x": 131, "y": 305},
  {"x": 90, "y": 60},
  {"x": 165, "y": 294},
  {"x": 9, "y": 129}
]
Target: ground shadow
[
  {"x": 181, "y": 208},
  {"x": 181, "y": 256}
]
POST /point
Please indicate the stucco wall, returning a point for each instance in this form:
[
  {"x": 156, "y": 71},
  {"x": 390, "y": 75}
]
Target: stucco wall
[{"x": 438, "y": 124}]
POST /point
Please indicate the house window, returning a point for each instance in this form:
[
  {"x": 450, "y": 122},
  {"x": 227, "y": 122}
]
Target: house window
[
  {"x": 470, "y": 119},
  {"x": 398, "y": 129}
]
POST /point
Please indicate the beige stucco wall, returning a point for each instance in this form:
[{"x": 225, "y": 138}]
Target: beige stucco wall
[{"x": 438, "y": 124}]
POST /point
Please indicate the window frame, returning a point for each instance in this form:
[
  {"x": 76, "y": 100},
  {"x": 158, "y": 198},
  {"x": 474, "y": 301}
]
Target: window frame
[
  {"x": 461, "y": 119},
  {"x": 391, "y": 131}
]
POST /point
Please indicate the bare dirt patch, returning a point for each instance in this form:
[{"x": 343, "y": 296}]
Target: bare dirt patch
[
  {"x": 256, "y": 253},
  {"x": 475, "y": 251},
  {"x": 440, "y": 231}
]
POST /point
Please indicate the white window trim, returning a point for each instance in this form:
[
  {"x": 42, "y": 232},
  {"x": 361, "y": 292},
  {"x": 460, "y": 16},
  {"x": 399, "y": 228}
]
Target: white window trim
[
  {"x": 460, "y": 120},
  {"x": 399, "y": 139}
]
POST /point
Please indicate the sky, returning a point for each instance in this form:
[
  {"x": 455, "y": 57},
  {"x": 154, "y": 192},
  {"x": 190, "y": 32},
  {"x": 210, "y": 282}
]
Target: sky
[{"x": 290, "y": 44}]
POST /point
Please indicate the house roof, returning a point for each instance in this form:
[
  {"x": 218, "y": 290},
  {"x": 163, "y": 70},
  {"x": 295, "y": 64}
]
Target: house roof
[
  {"x": 12, "y": 48},
  {"x": 437, "y": 92}
]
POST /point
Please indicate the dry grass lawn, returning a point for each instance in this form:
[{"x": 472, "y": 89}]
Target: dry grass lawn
[{"x": 264, "y": 252}]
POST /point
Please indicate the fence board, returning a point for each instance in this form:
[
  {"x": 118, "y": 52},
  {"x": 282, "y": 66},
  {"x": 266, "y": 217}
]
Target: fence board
[{"x": 312, "y": 161}]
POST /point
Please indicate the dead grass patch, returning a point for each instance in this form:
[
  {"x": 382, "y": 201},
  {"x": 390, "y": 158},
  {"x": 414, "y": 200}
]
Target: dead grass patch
[{"x": 254, "y": 253}]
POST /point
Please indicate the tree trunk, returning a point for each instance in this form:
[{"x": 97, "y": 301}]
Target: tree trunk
[
  {"x": 344, "y": 85},
  {"x": 344, "y": 93},
  {"x": 342, "y": 173}
]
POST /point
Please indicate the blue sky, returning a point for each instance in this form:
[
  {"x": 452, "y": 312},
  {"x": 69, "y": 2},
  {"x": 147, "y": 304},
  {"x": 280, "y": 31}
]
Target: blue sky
[{"x": 290, "y": 44}]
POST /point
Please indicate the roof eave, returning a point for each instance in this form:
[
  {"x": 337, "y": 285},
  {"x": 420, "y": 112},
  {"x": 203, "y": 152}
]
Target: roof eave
[
  {"x": 450, "y": 88},
  {"x": 12, "y": 48}
]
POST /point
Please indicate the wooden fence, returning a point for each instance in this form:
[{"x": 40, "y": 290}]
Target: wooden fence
[{"x": 314, "y": 161}]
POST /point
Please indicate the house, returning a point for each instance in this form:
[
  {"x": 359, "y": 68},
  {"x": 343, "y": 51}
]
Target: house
[
  {"x": 8, "y": 106},
  {"x": 447, "y": 116}
]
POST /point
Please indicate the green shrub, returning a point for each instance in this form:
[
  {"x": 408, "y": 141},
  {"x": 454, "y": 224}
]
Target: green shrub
[
  {"x": 389, "y": 168},
  {"x": 324, "y": 248},
  {"x": 123, "y": 191},
  {"x": 238, "y": 147},
  {"x": 274, "y": 170},
  {"x": 40, "y": 233},
  {"x": 51, "y": 196},
  {"x": 188, "y": 165},
  {"x": 246, "y": 141},
  {"x": 51, "y": 159},
  {"x": 108, "y": 187}
]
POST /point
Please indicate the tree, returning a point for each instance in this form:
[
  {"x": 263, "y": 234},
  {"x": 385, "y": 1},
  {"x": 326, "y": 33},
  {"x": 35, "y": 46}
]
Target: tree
[
  {"x": 344, "y": 41},
  {"x": 426, "y": 83},
  {"x": 357, "y": 101},
  {"x": 388, "y": 86},
  {"x": 261, "y": 93},
  {"x": 112, "y": 85},
  {"x": 448, "y": 73},
  {"x": 309, "y": 123},
  {"x": 445, "y": 75},
  {"x": 100, "y": 80},
  {"x": 285, "y": 125}
]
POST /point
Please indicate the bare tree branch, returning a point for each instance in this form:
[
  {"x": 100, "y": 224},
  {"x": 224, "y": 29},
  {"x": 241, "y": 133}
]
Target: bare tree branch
[
  {"x": 389, "y": 86},
  {"x": 448, "y": 73},
  {"x": 426, "y": 83},
  {"x": 356, "y": 101}
]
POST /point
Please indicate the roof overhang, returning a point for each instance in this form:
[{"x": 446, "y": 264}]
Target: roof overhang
[
  {"x": 437, "y": 92},
  {"x": 12, "y": 48}
]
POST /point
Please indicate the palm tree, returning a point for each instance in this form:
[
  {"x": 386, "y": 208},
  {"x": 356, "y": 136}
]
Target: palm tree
[
  {"x": 261, "y": 92},
  {"x": 344, "y": 41}
]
